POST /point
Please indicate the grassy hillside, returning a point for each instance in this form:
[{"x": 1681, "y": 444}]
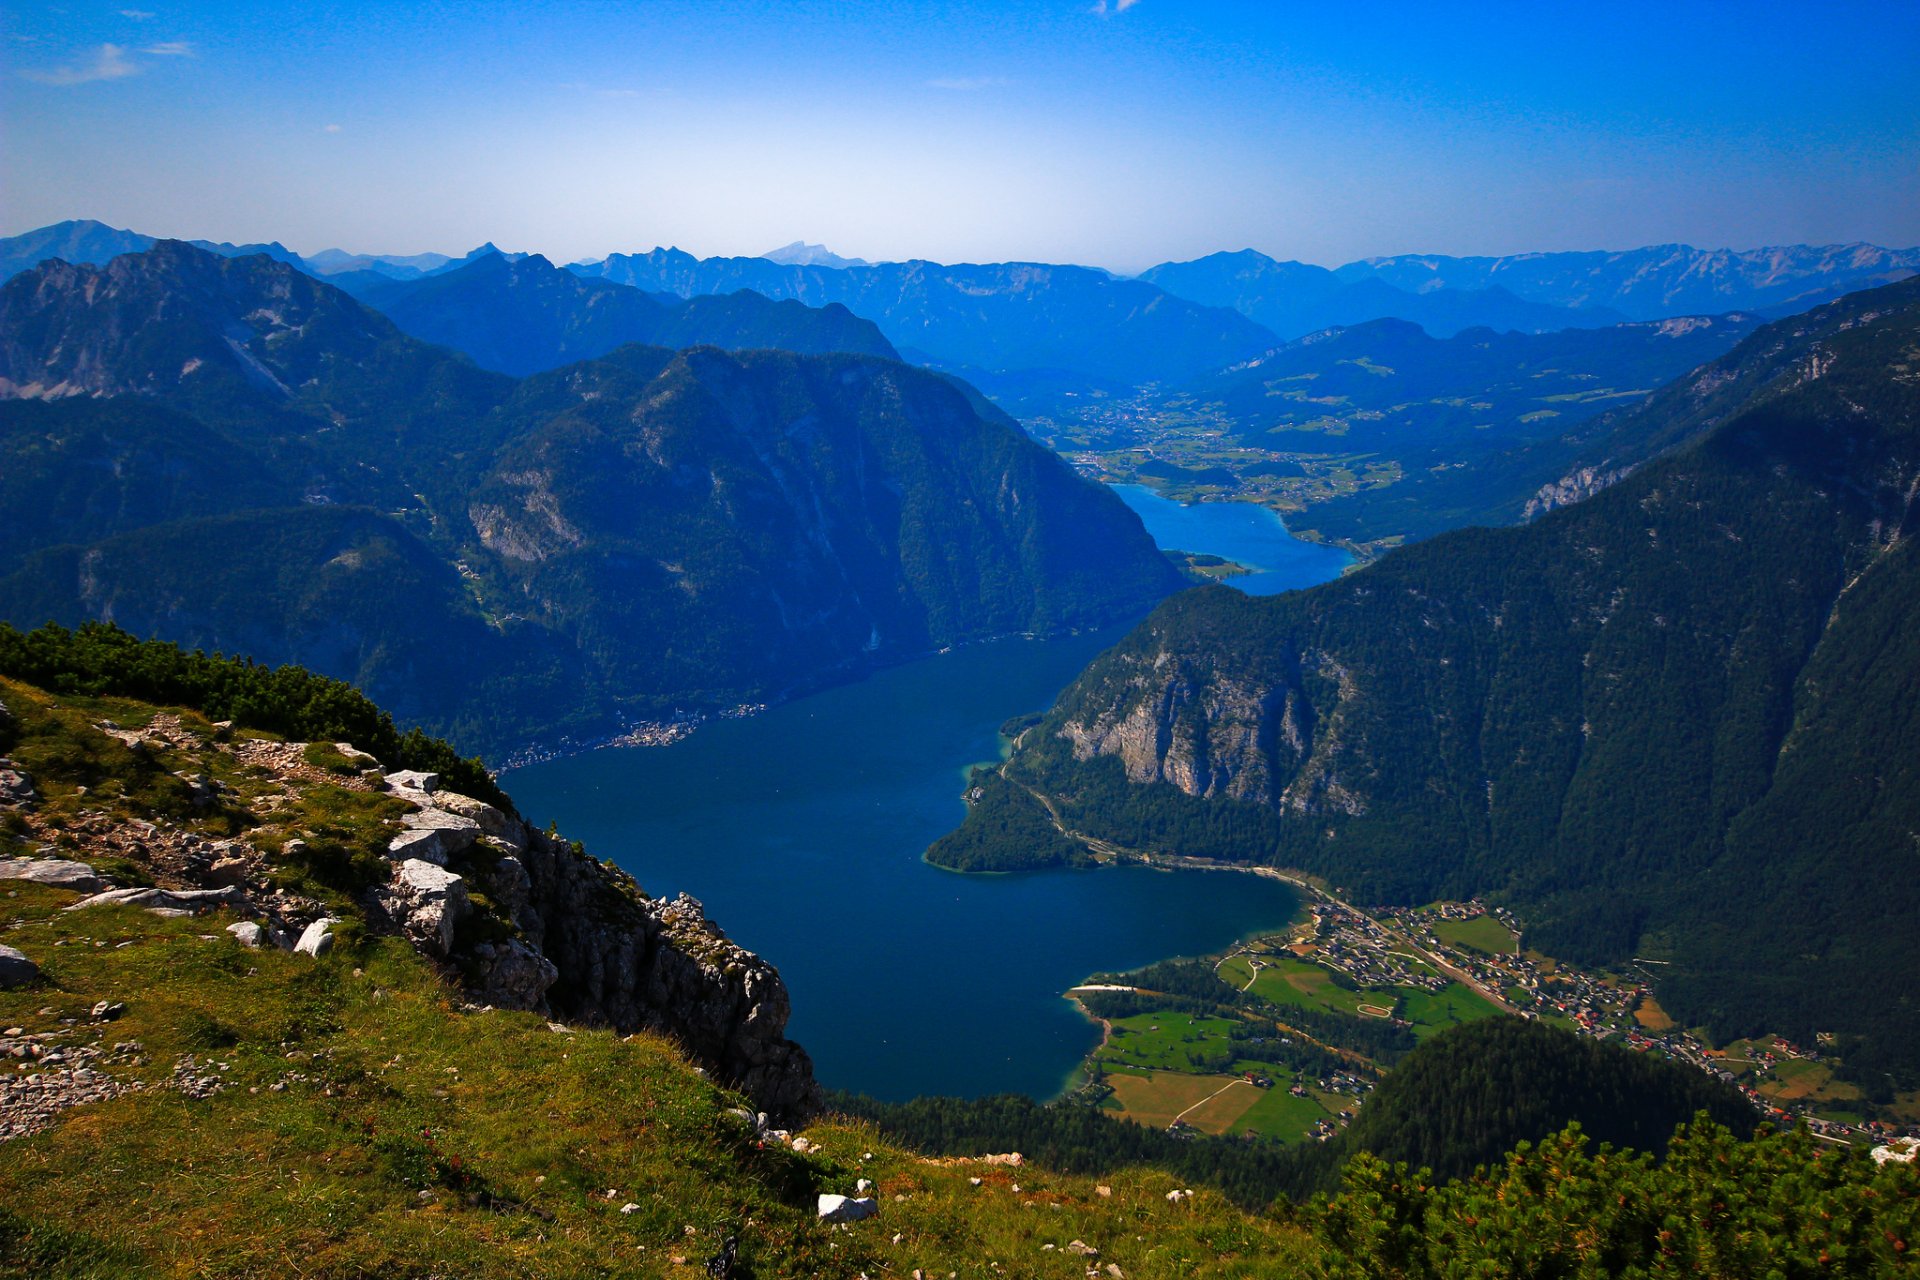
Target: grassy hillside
[{"x": 179, "y": 1104}]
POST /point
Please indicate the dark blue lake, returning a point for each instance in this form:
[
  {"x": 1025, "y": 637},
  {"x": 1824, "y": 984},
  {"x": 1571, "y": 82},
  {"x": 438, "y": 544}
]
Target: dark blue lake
[
  {"x": 1244, "y": 532},
  {"x": 801, "y": 830}
]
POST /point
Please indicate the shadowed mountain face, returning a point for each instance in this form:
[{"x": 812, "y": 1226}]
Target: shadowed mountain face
[
  {"x": 528, "y": 316},
  {"x": 1674, "y": 721},
  {"x": 997, "y": 317},
  {"x": 1294, "y": 299},
  {"x": 228, "y": 453}
]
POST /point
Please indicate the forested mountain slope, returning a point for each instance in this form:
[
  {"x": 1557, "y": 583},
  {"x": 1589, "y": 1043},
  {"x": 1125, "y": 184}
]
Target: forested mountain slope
[
  {"x": 1675, "y": 721},
  {"x": 229, "y": 453},
  {"x": 1476, "y": 424}
]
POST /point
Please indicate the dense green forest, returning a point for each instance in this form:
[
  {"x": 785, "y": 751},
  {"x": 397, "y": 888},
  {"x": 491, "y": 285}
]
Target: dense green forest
[
  {"x": 1675, "y": 721},
  {"x": 1459, "y": 1101}
]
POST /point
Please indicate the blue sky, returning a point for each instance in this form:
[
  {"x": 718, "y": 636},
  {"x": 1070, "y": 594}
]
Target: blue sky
[{"x": 1070, "y": 131}]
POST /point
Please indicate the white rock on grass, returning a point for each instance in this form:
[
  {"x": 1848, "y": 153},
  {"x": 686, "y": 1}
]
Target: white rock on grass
[
  {"x": 167, "y": 902},
  {"x": 317, "y": 940},
  {"x": 15, "y": 969},
  {"x": 248, "y": 934},
  {"x": 847, "y": 1208},
  {"x": 57, "y": 872}
]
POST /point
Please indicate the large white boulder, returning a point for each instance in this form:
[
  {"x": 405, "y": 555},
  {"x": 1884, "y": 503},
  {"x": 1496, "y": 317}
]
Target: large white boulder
[
  {"x": 317, "y": 940},
  {"x": 58, "y": 872}
]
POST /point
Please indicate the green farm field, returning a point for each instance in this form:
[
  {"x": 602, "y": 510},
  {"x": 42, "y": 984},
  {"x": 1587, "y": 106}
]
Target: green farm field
[{"x": 1482, "y": 933}]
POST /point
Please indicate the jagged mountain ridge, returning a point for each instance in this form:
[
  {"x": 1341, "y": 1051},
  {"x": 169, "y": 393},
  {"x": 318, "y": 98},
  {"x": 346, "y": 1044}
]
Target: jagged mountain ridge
[
  {"x": 1295, "y": 299},
  {"x": 996, "y": 317},
  {"x": 527, "y": 316},
  {"x": 1659, "y": 280},
  {"x": 804, "y": 517},
  {"x": 1607, "y": 719}
]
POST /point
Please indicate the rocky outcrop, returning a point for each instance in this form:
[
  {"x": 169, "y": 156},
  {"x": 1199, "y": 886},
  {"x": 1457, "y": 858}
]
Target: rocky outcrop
[
  {"x": 580, "y": 941},
  {"x": 1577, "y": 486}
]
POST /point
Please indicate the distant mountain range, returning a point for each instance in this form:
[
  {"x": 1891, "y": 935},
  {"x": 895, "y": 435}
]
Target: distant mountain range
[
  {"x": 1031, "y": 332},
  {"x": 230, "y": 453},
  {"x": 1294, "y": 299},
  {"x": 802, "y": 254},
  {"x": 1673, "y": 724},
  {"x": 527, "y": 316},
  {"x": 998, "y": 317},
  {"x": 1658, "y": 281}
]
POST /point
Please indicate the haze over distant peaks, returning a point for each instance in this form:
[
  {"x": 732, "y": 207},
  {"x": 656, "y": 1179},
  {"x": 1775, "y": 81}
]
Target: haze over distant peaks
[{"x": 802, "y": 254}]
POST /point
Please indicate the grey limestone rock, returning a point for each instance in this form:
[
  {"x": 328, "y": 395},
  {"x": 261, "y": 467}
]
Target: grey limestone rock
[
  {"x": 174, "y": 902},
  {"x": 15, "y": 969},
  {"x": 58, "y": 872},
  {"x": 248, "y": 934},
  {"x": 433, "y": 835},
  {"x": 414, "y": 780},
  {"x": 433, "y": 900}
]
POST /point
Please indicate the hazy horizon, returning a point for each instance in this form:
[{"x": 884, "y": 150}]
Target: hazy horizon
[
  {"x": 1117, "y": 134},
  {"x": 457, "y": 252}
]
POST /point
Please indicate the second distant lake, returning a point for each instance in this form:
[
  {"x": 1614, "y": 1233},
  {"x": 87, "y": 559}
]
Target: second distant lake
[{"x": 1244, "y": 532}]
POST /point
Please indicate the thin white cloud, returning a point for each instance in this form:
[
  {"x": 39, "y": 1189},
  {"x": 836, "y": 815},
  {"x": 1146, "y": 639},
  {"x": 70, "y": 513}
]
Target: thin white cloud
[
  {"x": 138, "y": 15},
  {"x": 110, "y": 63},
  {"x": 332, "y": 128},
  {"x": 171, "y": 49},
  {"x": 966, "y": 84},
  {"x": 1107, "y": 8}
]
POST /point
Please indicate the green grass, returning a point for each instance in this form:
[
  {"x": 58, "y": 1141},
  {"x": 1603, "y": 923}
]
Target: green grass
[
  {"x": 1436, "y": 1011},
  {"x": 1169, "y": 1041},
  {"x": 1234, "y": 971},
  {"x": 1289, "y": 981},
  {"x": 1279, "y": 1114},
  {"x": 1482, "y": 933},
  {"x": 513, "y": 1133}
]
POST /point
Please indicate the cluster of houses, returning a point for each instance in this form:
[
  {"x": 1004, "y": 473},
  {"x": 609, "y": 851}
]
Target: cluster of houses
[
  {"x": 1605, "y": 1010},
  {"x": 1358, "y": 946}
]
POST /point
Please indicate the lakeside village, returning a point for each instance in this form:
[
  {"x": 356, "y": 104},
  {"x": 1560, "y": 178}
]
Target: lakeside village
[{"x": 1418, "y": 970}]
